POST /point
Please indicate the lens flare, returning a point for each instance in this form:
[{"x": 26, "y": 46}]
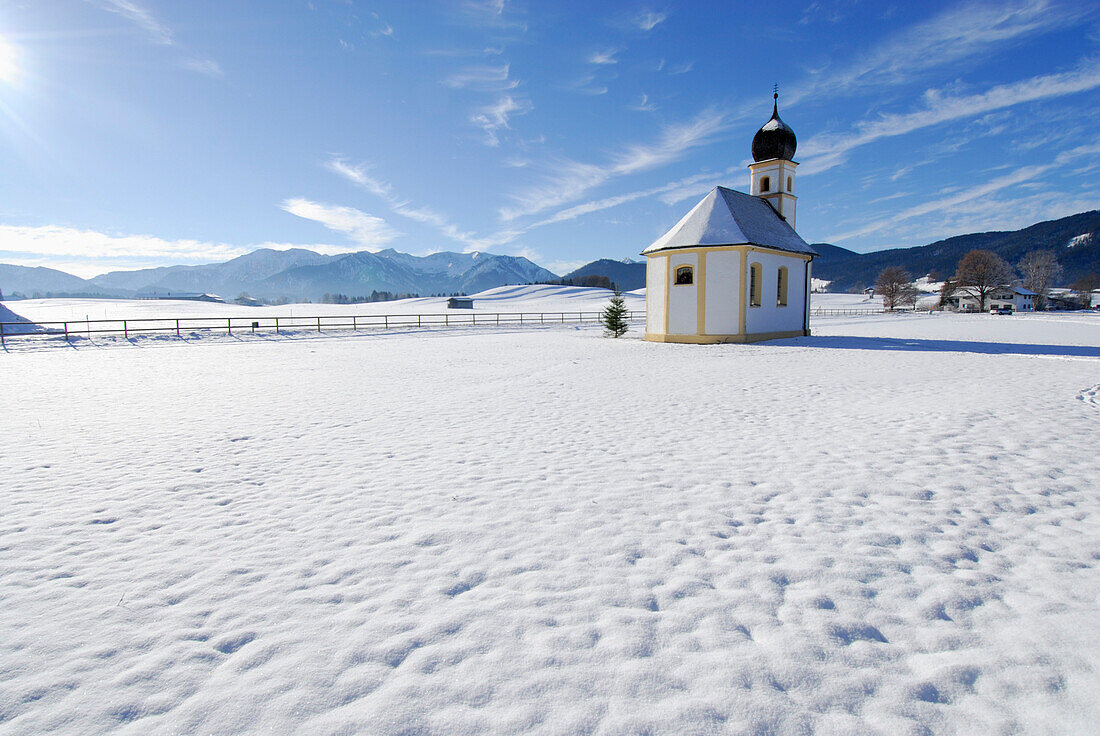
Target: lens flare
[{"x": 9, "y": 62}]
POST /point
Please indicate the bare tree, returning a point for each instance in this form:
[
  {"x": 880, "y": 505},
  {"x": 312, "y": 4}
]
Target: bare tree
[
  {"x": 1040, "y": 270},
  {"x": 895, "y": 286},
  {"x": 1084, "y": 287},
  {"x": 950, "y": 286},
  {"x": 980, "y": 272}
]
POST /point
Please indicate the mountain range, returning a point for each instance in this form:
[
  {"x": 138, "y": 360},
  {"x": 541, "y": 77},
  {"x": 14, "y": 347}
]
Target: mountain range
[
  {"x": 1074, "y": 240},
  {"x": 296, "y": 274},
  {"x": 300, "y": 274}
]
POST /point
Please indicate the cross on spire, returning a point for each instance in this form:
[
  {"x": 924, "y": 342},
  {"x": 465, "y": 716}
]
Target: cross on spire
[{"x": 775, "y": 91}]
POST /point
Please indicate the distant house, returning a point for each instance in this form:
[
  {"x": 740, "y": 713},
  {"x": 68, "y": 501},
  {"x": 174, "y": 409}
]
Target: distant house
[
  {"x": 1016, "y": 298},
  {"x": 460, "y": 302},
  {"x": 1062, "y": 303},
  {"x": 184, "y": 296}
]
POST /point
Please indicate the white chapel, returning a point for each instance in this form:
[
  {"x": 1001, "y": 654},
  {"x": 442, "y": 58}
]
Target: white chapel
[{"x": 733, "y": 269}]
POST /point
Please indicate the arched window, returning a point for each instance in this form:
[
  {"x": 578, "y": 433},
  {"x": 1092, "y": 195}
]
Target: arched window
[
  {"x": 755, "y": 285},
  {"x": 766, "y": 184},
  {"x": 790, "y": 181},
  {"x": 685, "y": 275},
  {"x": 781, "y": 295}
]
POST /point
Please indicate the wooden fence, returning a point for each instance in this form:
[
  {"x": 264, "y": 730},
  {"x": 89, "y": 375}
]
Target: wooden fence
[
  {"x": 179, "y": 326},
  {"x": 844, "y": 312}
]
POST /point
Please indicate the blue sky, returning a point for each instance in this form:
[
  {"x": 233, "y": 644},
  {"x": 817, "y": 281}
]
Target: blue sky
[{"x": 149, "y": 132}]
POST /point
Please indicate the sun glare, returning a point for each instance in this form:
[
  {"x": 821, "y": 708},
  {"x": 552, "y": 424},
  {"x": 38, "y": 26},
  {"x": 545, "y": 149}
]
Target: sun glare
[{"x": 9, "y": 62}]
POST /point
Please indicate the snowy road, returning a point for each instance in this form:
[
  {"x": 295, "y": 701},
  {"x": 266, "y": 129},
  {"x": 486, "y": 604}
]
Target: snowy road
[{"x": 891, "y": 527}]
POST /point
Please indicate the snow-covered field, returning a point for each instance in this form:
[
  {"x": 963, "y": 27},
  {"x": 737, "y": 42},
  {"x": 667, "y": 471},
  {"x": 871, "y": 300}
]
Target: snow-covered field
[
  {"x": 891, "y": 527},
  {"x": 530, "y": 298}
]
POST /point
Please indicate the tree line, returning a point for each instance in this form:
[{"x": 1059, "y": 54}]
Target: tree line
[{"x": 979, "y": 274}]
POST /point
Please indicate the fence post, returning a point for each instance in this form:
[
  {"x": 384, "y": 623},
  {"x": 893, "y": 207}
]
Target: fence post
[
  {"x": 354, "y": 322},
  {"x": 125, "y": 330},
  {"x": 276, "y": 325},
  {"x": 2, "y": 343},
  {"x": 386, "y": 317},
  {"x": 418, "y": 320},
  {"x": 229, "y": 325},
  {"x": 177, "y": 327},
  {"x": 521, "y": 318},
  {"x": 318, "y": 324},
  {"x": 66, "y": 332},
  {"x": 446, "y": 320}
]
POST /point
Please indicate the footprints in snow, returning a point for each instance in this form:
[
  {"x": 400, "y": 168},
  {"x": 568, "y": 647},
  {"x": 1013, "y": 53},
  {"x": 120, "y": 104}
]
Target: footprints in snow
[
  {"x": 1091, "y": 396},
  {"x": 231, "y": 644},
  {"x": 462, "y": 586}
]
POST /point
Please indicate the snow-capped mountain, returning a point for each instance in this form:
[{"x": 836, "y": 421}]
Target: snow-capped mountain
[{"x": 296, "y": 274}]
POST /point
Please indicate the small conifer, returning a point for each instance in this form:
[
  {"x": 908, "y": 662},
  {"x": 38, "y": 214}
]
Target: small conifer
[{"x": 613, "y": 317}]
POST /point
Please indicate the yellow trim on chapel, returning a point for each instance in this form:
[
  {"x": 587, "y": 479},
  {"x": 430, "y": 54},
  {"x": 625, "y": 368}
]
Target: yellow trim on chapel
[
  {"x": 715, "y": 339},
  {"x": 699, "y": 279},
  {"x": 701, "y": 297}
]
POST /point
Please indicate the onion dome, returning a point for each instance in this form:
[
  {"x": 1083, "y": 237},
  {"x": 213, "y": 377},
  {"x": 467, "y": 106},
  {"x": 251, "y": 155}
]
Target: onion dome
[{"x": 775, "y": 139}]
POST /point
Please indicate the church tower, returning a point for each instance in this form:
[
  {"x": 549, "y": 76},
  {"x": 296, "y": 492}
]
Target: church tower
[{"x": 772, "y": 169}]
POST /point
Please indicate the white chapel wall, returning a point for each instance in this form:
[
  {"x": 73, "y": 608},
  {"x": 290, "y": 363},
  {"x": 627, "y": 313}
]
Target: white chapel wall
[
  {"x": 656, "y": 272},
  {"x": 723, "y": 293},
  {"x": 769, "y": 317},
  {"x": 683, "y": 300}
]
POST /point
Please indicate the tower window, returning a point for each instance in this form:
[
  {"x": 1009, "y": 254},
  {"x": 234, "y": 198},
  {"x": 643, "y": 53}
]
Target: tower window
[
  {"x": 781, "y": 295},
  {"x": 766, "y": 184},
  {"x": 789, "y": 183},
  {"x": 754, "y": 285},
  {"x": 685, "y": 275}
]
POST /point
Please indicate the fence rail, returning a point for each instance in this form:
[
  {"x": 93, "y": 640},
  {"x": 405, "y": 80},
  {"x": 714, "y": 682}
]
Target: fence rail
[
  {"x": 843, "y": 312},
  {"x": 178, "y": 326}
]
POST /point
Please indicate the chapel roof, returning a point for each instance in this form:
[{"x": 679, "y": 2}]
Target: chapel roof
[{"x": 728, "y": 217}]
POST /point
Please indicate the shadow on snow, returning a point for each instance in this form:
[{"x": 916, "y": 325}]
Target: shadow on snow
[{"x": 842, "y": 342}]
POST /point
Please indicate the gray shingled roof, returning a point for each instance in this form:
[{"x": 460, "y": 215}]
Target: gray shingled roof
[{"x": 726, "y": 217}]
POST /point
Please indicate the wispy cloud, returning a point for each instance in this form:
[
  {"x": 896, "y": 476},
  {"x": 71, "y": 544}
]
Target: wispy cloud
[
  {"x": 644, "y": 105},
  {"x": 572, "y": 179},
  {"x": 482, "y": 78},
  {"x": 367, "y": 230},
  {"x": 142, "y": 18},
  {"x": 587, "y": 85},
  {"x": 491, "y": 14},
  {"x": 494, "y": 117},
  {"x": 826, "y": 151},
  {"x": 383, "y": 28},
  {"x": 1014, "y": 178},
  {"x": 607, "y": 56},
  {"x": 678, "y": 190},
  {"x": 969, "y": 30},
  {"x": 358, "y": 174},
  {"x": 647, "y": 20},
  {"x": 157, "y": 32},
  {"x": 209, "y": 67}
]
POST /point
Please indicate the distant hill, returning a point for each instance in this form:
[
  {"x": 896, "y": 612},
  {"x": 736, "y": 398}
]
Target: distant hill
[
  {"x": 1075, "y": 241},
  {"x": 358, "y": 274},
  {"x": 40, "y": 280},
  {"x": 227, "y": 279},
  {"x": 296, "y": 274},
  {"x": 627, "y": 275}
]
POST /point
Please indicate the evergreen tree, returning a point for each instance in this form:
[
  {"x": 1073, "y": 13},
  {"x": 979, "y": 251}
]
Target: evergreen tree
[{"x": 613, "y": 317}]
